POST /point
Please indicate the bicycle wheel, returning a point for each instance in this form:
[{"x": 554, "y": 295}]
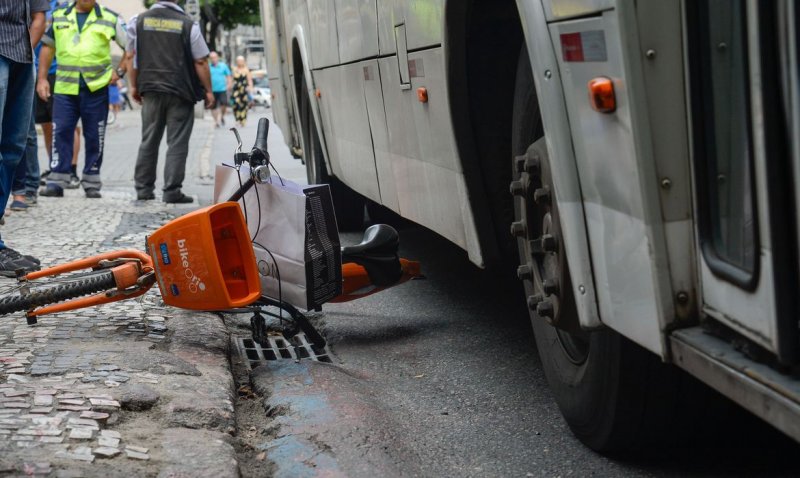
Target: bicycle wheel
[{"x": 44, "y": 292}]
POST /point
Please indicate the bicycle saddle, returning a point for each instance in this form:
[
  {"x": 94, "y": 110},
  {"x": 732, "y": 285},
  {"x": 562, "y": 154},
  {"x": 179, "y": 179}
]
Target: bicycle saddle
[{"x": 377, "y": 253}]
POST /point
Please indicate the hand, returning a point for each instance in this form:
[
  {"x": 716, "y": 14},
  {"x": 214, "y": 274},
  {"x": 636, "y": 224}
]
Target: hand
[
  {"x": 114, "y": 77},
  {"x": 135, "y": 94},
  {"x": 43, "y": 88},
  {"x": 209, "y": 100}
]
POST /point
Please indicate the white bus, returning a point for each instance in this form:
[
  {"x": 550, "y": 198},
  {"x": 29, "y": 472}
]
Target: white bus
[{"x": 638, "y": 159}]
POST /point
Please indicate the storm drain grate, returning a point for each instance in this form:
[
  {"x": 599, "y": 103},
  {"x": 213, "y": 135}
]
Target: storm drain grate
[{"x": 278, "y": 348}]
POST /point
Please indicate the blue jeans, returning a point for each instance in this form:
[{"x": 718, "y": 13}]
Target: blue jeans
[
  {"x": 16, "y": 108},
  {"x": 26, "y": 177},
  {"x": 92, "y": 110}
]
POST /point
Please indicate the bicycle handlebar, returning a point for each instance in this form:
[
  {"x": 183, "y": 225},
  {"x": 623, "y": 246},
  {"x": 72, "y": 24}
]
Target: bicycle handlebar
[{"x": 261, "y": 136}]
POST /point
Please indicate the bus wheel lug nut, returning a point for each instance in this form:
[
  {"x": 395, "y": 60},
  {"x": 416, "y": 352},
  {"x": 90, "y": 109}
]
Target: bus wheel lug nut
[
  {"x": 546, "y": 309},
  {"x": 518, "y": 228},
  {"x": 546, "y": 243},
  {"x": 519, "y": 163},
  {"x": 531, "y": 165},
  {"x": 517, "y": 188},
  {"x": 542, "y": 196},
  {"x": 534, "y": 300},
  {"x": 550, "y": 286},
  {"x": 524, "y": 272}
]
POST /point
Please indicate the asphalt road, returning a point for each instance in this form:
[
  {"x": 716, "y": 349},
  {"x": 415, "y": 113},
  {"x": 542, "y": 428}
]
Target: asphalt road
[
  {"x": 452, "y": 365},
  {"x": 453, "y": 357}
]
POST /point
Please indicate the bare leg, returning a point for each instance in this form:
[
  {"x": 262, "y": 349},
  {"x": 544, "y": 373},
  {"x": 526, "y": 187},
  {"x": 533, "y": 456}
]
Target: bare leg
[
  {"x": 76, "y": 149},
  {"x": 47, "y": 130}
]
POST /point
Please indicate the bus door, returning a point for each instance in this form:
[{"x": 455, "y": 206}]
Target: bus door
[{"x": 744, "y": 191}]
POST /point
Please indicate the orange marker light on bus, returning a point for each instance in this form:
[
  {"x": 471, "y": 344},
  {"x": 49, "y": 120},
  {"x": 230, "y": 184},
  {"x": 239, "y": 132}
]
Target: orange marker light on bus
[
  {"x": 422, "y": 95},
  {"x": 601, "y": 95},
  {"x": 318, "y": 93}
]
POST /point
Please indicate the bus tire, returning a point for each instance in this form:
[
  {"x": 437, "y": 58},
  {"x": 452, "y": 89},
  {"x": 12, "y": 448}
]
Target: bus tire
[{"x": 614, "y": 395}]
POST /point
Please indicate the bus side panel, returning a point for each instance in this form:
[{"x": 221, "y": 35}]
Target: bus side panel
[
  {"x": 357, "y": 22},
  {"x": 343, "y": 109},
  {"x": 323, "y": 38},
  {"x": 550, "y": 91},
  {"x": 620, "y": 196},
  {"x": 422, "y": 162},
  {"x": 422, "y": 18},
  {"x": 277, "y": 70}
]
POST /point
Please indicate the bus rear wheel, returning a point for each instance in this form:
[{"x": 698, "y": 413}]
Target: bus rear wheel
[{"x": 614, "y": 395}]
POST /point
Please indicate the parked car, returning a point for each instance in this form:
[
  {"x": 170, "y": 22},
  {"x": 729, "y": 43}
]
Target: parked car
[{"x": 262, "y": 96}]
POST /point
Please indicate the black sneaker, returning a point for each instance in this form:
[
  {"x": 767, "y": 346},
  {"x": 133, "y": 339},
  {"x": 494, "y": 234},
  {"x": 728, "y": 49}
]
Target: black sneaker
[
  {"x": 30, "y": 198},
  {"x": 145, "y": 196},
  {"x": 52, "y": 191},
  {"x": 43, "y": 177},
  {"x": 182, "y": 199},
  {"x": 93, "y": 193},
  {"x": 16, "y": 255},
  {"x": 11, "y": 261}
]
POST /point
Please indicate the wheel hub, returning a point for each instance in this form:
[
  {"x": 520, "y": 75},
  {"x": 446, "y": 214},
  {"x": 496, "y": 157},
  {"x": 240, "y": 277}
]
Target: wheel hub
[{"x": 544, "y": 270}]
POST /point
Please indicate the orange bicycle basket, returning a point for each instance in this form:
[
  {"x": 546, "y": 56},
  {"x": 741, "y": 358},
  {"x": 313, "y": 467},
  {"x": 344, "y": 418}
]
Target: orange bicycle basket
[{"x": 205, "y": 261}]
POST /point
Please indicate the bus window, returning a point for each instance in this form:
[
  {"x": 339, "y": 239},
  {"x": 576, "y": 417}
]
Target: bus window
[{"x": 724, "y": 163}]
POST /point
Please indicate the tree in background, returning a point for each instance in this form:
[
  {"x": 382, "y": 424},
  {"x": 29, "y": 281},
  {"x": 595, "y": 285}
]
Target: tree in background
[{"x": 225, "y": 13}]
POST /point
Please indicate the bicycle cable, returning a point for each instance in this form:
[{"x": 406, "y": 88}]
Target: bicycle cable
[{"x": 277, "y": 274}]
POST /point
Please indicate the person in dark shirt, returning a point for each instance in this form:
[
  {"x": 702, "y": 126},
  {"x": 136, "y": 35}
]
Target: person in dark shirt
[
  {"x": 170, "y": 74},
  {"x": 21, "y": 25}
]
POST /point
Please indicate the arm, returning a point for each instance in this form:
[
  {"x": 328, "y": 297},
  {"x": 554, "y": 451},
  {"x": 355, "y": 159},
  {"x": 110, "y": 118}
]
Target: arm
[
  {"x": 121, "y": 37},
  {"x": 45, "y": 60},
  {"x": 130, "y": 56},
  {"x": 228, "y": 82},
  {"x": 132, "y": 85},
  {"x": 36, "y": 29},
  {"x": 249, "y": 82},
  {"x": 204, "y": 74}
]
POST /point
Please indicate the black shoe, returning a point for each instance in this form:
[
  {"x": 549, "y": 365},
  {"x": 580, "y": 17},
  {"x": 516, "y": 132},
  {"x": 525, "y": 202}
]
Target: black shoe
[
  {"x": 145, "y": 196},
  {"x": 11, "y": 261},
  {"x": 93, "y": 193},
  {"x": 16, "y": 255},
  {"x": 52, "y": 191},
  {"x": 182, "y": 199}
]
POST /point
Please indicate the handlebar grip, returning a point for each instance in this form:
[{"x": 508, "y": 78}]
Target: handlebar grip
[{"x": 261, "y": 136}]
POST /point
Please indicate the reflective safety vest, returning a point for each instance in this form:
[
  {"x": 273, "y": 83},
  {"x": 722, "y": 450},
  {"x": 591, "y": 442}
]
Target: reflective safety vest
[{"x": 84, "y": 53}]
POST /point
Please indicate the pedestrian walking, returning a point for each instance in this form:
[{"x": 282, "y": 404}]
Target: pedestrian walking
[
  {"x": 114, "y": 102},
  {"x": 170, "y": 74},
  {"x": 123, "y": 92},
  {"x": 21, "y": 25},
  {"x": 242, "y": 90},
  {"x": 221, "y": 82},
  {"x": 81, "y": 37}
]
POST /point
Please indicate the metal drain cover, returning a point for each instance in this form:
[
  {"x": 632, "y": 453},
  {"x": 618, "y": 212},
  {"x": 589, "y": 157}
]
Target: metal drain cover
[{"x": 278, "y": 348}]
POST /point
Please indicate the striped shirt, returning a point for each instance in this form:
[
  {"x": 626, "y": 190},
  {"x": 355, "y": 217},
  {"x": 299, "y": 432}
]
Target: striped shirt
[{"x": 15, "y": 17}]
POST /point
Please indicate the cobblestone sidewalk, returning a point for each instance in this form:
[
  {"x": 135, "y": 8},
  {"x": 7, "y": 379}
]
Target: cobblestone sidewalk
[{"x": 127, "y": 389}]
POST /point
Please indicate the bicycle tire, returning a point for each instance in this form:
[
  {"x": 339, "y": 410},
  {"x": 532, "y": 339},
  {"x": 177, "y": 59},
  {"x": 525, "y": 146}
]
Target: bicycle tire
[{"x": 46, "y": 292}]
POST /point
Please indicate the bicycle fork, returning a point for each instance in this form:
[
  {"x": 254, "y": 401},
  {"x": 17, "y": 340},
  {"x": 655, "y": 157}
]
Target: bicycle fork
[{"x": 133, "y": 276}]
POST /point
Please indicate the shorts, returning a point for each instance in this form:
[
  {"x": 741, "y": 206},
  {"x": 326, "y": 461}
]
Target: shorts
[
  {"x": 43, "y": 112},
  {"x": 221, "y": 98}
]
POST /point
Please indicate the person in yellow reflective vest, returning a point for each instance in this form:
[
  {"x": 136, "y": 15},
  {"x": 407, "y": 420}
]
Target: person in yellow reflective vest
[{"x": 80, "y": 38}]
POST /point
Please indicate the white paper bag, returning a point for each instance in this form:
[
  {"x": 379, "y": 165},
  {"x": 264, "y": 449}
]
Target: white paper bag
[{"x": 297, "y": 225}]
